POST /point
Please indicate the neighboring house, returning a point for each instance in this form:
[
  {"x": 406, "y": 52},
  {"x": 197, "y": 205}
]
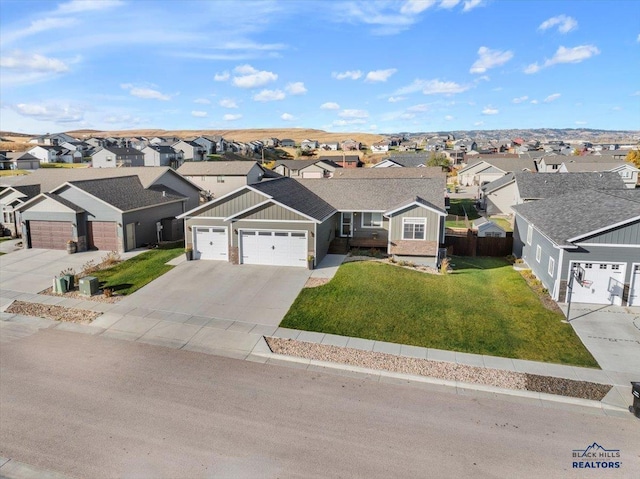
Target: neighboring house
[
  {"x": 350, "y": 145},
  {"x": 306, "y": 168},
  {"x": 11, "y": 198},
  {"x": 498, "y": 197},
  {"x": 190, "y": 150},
  {"x": 270, "y": 142},
  {"x": 627, "y": 171},
  {"x": 408, "y": 146},
  {"x": 287, "y": 143},
  {"x": 112, "y": 157},
  {"x": 55, "y": 139},
  {"x": 330, "y": 146},
  {"x": 160, "y": 155},
  {"x": 48, "y": 153},
  {"x": 112, "y": 214},
  {"x": 217, "y": 178},
  {"x": 290, "y": 223},
  {"x": 370, "y": 173},
  {"x": 212, "y": 144},
  {"x": 456, "y": 157},
  {"x": 595, "y": 233},
  {"x": 406, "y": 161},
  {"x": 381, "y": 146},
  {"x": 487, "y": 229},
  {"x": 19, "y": 161},
  {"x": 344, "y": 161},
  {"x": 486, "y": 168},
  {"x": 307, "y": 145}
]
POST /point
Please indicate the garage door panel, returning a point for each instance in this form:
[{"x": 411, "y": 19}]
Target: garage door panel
[
  {"x": 210, "y": 243},
  {"x": 277, "y": 248},
  {"x": 103, "y": 235},
  {"x": 603, "y": 284},
  {"x": 50, "y": 234}
]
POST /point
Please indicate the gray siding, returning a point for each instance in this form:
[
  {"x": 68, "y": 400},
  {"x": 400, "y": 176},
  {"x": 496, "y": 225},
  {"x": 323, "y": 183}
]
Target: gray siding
[
  {"x": 596, "y": 254},
  {"x": 274, "y": 212},
  {"x": 146, "y": 230},
  {"x": 170, "y": 180},
  {"x": 548, "y": 250},
  {"x": 325, "y": 233},
  {"x": 96, "y": 210},
  {"x": 628, "y": 234},
  {"x": 231, "y": 205},
  {"x": 432, "y": 232}
]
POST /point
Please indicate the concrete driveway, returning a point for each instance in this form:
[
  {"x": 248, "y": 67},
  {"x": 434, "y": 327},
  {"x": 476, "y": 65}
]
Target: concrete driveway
[
  {"x": 611, "y": 334},
  {"x": 247, "y": 293},
  {"x": 32, "y": 270}
]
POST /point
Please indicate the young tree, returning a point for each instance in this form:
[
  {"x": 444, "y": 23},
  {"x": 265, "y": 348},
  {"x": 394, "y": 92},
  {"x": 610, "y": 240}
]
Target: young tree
[
  {"x": 438, "y": 159},
  {"x": 634, "y": 157}
]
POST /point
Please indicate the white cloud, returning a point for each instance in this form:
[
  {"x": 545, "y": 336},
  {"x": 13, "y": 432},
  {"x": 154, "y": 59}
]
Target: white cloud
[
  {"x": 489, "y": 110},
  {"x": 552, "y": 97},
  {"x": 33, "y": 62},
  {"x": 478, "y": 123},
  {"x": 287, "y": 117},
  {"x": 61, "y": 113},
  {"x": 520, "y": 99},
  {"x": 488, "y": 58},
  {"x": 38, "y": 26},
  {"x": 146, "y": 93},
  {"x": 448, "y": 4},
  {"x": 412, "y": 7},
  {"x": 471, "y": 4},
  {"x": 351, "y": 75},
  {"x": 269, "y": 95},
  {"x": 202, "y": 101},
  {"x": 617, "y": 108},
  {"x": 228, "y": 103},
  {"x": 395, "y": 99},
  {"x": 78, "y": 6},
  {"x": 296, "y": 88},
  {"x": 353, "y": 114},
  {"x": 534, "y": 102},
  {"x": 123, "y": 119},
  {"x": 565, "y": 24},
  {"x": 354, "y": 121},
  {"x": 566, "y": 55},
  {"x": 330, "y": 105},
  {"x": 199, "y": 114},
  {"x": 249, "y": 77},
  {"x": 380, "y": 75},
  {"x": 422, "y": 107},
  {"x": 230, "y": 117},
  {"x": 448, "y": 118},
  {"x": 432, "y": 87},
  {"x": 224, "y": 76}
]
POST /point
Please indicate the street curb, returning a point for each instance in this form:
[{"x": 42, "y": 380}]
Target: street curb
[{"x": 11, "y": 469}]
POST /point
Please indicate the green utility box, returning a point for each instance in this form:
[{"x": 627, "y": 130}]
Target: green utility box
[
  {"x": 88, "y": 285},
  {"x": 60, "y": 285}
]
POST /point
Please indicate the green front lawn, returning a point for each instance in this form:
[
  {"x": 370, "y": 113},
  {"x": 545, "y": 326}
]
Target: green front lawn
[
  {"x": 483, "y": 307},
  {"x": 131, "y": 275}
]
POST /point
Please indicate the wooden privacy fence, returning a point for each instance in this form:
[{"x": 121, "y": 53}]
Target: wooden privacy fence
[{"x": 470, "y": 244}]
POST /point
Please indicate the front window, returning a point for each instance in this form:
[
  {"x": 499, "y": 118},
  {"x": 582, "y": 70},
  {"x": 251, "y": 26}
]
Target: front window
[
  {"x": 371, "y": 220},
  {"x": 220, "y": 179},
  {"x": 413, "y": 228},
  {"x": 529, "y": 234}
]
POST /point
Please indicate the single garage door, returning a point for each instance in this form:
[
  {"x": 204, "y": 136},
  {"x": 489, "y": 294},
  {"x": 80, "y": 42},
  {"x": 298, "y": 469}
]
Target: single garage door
[
  {"x": 50, "y": 234},
  {"x": 277, "y": 248},
  {"x": 603, "y": 284},
  {"x": 102, "y": 235},
  {"x": 210, "y": 243},
  {"x": 312, "y": 174},
  {"x": 634, "y": 290}
]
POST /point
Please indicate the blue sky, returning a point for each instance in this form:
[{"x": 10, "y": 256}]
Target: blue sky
[{"x": 371, "y": 66}]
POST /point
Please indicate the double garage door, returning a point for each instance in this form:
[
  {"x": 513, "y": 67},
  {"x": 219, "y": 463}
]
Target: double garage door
[
  {"x": 603, "y": 284},
  {"x": 278, "y": 248}
]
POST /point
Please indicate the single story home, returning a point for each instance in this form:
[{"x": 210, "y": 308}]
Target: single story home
[
  {"x": 113, "y": 157},
  {"x": 217, "y": 178},
  {"x": 488, "y": 168},
  {"x": 11, "y": 198},
  {"x": 18, "y": 161},
  {"x": 343, "y": 161},
  {"x": 306, "y": 168},
  {"x": 590, "y": 235},
  {"x": 287, "y": 222},
  {"x": 403, "y": 161},
  {"x": 488, "y": 229}
]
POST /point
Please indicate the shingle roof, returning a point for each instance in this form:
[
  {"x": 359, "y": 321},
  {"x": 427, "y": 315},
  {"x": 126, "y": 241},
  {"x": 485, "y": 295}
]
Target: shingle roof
[
  {"x": 50, "y": 178},
  {"x": 546, "y": 185},
  {"x": 296, "y": 164},
  {"x": 214, "y": 168},
  {"x": 64, "y": 202},
  {"x": 30, "y": 191},
  {"x": 379, "y": 194},
  {"x": 582, "y": 166},
  {"x": 364, "y": 173},
  {"x": 291, "y": 193},
  {"x": 123, "y": 151},
  {"x": 508, "y": 165},
  {"x": 408, "y": 161},
  {"x": 500, "y": 182},
  {"x": 125, "y": 193},
  {"x": 574, "y": 214}
]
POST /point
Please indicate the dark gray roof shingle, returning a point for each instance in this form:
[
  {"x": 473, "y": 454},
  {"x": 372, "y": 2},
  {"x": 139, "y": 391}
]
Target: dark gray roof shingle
[
  {"x": 546, "y": 185},
  {"x": 409, "y": 172}
]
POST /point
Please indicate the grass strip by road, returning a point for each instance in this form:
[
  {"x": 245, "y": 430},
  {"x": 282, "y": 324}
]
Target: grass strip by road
[
  {"x": 482, "y": 307},
  {"x": 131, "y": 275}
]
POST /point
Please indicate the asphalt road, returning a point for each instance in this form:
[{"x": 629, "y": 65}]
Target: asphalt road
[{"x": 96, "y": 407}]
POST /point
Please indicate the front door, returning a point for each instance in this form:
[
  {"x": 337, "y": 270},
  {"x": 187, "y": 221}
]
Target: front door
[{"x": 346, "y": 221}]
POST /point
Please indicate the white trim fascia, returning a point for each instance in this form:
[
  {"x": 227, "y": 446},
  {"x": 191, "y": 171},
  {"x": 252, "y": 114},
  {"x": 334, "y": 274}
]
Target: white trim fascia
[
  {"x": 88, "y": 194},
  {"x": 304, "y": 222},
  {"x": 246, "y": 210},
  {"x": 272, "y": 201},
  {"x": 608, "y": 227},
  {"x": 610, "y": 245},
  {"x": 409, "y": 205},
  {"x": 210, "y": 203},
  {"x": 500, "y": 186},
  {"x": 558, "y": 274},
  {"x": 475, "y": 165},
  {"x": 159, "y": 204}
]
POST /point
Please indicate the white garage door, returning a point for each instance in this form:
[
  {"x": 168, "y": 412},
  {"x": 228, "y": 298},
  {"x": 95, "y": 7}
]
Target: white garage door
[
  {"x": 604, "y": 284},
  {"x": 210, "y": 243},
  {"x": 279, "y": 248},
  {"x": 634, "y": 291},
  {"x": 312, "y": 174}
]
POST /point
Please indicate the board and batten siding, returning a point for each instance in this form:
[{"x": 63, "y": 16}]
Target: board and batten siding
[
  {"x": 548, "y": 250},
  {"x": 231, "y": 205},
  {"x": 145, "y": 221},
  {"x": 171, "y": 180},
  {"x": 432, "y": 230},
  {"x": 273, "y": 212},
  {"x": 624, "y": 235},
  {"x": 500, "y": 201},
  {"x": 325, "y": 234}
]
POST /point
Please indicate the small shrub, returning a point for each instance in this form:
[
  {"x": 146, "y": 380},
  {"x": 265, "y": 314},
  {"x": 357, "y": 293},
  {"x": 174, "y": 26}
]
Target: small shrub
[
  {"x": 108, "y": 292},
  {"x": 111, "y": 258},
  {"x": 68, "y": 271},
  {"x": 519, "y": 261},
  {"x": 88, "y": 268},
  {"x": 511, "y": 258},
  {"x": 444, "y": 266}
]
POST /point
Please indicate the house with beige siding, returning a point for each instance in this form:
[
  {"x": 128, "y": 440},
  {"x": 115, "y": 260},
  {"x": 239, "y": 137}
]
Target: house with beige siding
[
  {"x": 217, "y": 178},
  {"x": 289, "y": 222}
]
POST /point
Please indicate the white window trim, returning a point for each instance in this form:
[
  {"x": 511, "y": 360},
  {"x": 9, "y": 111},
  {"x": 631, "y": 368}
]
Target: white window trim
[
  {"x": 538, "y": 253},
  {"x": 371, "y": 213},
  {"x": 552, "y": 266},
  {"x": 529, "y": 234},
  {"x": 415, "y": 221}
]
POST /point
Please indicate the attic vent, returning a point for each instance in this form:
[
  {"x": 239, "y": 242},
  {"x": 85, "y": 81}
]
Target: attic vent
[{"x": 164, "y": 193}]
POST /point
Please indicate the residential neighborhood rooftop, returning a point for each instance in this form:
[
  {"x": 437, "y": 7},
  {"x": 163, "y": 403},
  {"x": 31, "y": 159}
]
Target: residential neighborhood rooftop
[
  {"x": 409, "y": 172},
  {"x": 546, "y": 185}
]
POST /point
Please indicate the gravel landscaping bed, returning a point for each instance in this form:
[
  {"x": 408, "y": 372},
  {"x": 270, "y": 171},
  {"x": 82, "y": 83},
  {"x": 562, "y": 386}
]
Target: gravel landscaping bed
[
  {"x": 56, "y": 313},
  {"x": 439, "y": 369},
  {"x": 98, "y": 298}
]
